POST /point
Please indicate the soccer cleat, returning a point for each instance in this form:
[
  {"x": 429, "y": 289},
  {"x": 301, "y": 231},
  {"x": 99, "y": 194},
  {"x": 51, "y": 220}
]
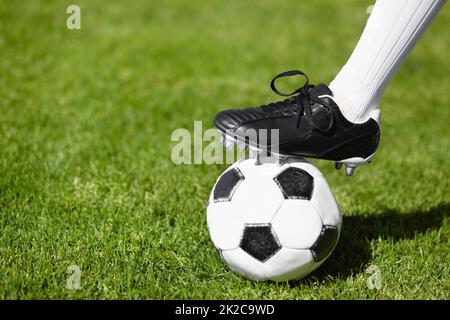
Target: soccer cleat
[{"x": 309, "y": 123}]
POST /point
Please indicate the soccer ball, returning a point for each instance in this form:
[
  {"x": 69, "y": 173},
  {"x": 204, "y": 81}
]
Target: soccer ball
[{"x": 273, "y": 221}]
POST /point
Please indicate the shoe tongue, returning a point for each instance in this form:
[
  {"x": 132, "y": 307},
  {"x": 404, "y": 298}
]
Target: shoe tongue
[{"x": 321, "y": 89}]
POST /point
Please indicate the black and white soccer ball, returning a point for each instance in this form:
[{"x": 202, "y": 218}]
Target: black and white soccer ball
[{"x": 273, "y": 222}]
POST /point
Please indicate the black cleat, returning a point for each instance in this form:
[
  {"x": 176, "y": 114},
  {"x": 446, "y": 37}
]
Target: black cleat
[{"x": 310, "y": 124}]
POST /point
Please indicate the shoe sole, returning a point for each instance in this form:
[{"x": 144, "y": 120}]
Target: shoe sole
[{"x": 350, "y": 163}]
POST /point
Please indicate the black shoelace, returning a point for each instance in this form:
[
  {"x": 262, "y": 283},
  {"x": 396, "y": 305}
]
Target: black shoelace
[{"x": 302, "y": 101}]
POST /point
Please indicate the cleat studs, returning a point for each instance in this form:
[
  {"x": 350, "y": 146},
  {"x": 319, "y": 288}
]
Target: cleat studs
[
  {"x": 338, "y": 165},
  {"x": 258, "y": 160},
  {"x": 281, "y": 160},
  {"x": 349, "y": 170}
]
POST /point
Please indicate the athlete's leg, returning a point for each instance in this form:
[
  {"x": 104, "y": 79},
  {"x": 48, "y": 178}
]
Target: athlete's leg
[{"x": 392, "y": 30}]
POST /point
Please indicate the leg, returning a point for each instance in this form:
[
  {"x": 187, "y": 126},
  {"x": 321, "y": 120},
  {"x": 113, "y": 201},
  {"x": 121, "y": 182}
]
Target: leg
[{"x": 392, "y": 30}]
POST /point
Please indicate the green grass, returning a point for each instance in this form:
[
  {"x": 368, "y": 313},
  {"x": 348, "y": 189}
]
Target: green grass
[{"x": 86, "y": 177}]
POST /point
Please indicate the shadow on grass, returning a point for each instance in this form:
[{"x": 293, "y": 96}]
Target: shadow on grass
[{"x": 353, "y": 251}]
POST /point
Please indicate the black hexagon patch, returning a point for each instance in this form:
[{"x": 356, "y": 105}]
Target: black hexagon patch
[
  {"x": 325, "y": 243},
  {"x": 295, "y": 183},
  {"x": 227, "y": 184},
  {"x": 260, "y": 241}
]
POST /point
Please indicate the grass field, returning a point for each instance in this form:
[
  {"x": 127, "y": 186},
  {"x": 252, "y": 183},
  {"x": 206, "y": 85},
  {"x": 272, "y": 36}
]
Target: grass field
[{"x": 85, "y": 123}]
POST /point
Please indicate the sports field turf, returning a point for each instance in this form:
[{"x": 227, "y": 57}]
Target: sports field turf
[{"x": 86, "y": 177}]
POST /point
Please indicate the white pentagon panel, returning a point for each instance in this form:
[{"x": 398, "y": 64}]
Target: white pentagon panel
[
  {"x": 257, "y": 199},
  {"x": 225, "y": 225},
  {"x": 325, "y": 203},
  {"x": 289, "y": 264},
  {"x": 297, "y": 224},
  {"x": 241, "y": 262}
]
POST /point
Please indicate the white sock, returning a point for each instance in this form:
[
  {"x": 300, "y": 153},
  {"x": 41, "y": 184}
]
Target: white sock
[{"x": 392, "y": 30}]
